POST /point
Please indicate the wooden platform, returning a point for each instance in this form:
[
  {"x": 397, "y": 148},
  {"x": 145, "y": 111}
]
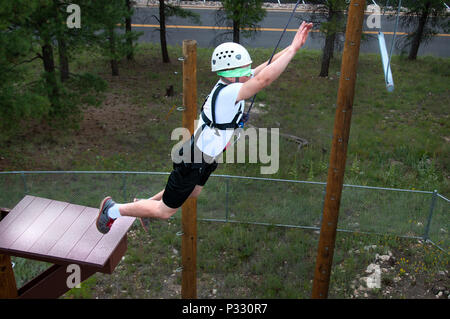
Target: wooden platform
[{"x": 61, "y": 233}]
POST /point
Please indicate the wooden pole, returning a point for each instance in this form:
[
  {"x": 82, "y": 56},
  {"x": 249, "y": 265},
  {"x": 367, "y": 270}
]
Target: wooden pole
[
  {"x": 189, "y": 208},
  {"x": 338, "y": 154},
  {"x": 8, "y": 288}
]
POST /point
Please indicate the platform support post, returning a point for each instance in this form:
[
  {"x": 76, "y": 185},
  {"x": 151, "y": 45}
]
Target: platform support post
[{"x": 8, "y": 288}]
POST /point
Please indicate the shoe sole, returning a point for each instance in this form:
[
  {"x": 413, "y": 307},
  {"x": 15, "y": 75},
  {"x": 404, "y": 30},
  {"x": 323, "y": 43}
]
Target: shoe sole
[{"x": 102, "y": 205}]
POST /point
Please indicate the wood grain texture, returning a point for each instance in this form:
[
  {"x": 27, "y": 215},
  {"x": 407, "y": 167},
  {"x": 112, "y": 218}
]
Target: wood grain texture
[
  {"x": 8, "y": 288},
  {"x": 25, "y": 218},
  {"x": 338, "y": 152},
  {"x": 189, "y": 208},
  {"x": 59, "y": 232},
  {"x": 39, "y": 226},
  {"x": 56, "y": 230}
]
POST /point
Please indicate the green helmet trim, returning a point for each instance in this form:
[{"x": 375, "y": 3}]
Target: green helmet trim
[{"x": 236, "y": 73}]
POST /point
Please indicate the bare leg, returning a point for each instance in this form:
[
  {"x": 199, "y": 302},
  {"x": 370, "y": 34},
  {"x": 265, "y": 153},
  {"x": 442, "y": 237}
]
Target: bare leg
[
  {"x": 153, "y": 207},
  {"x": 144, "y": 223},
  {"x": 147, "y": 208}
]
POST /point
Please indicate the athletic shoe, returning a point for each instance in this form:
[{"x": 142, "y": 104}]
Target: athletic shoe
[{"x": 104, "y": 222}]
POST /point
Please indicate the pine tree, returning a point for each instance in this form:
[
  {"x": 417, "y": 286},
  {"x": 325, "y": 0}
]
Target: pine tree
[
  {"x": 330, "y": 17},
  {"x": 30, "y": 30},
  {"x": 166, "y": 11},
  {"x": 243, "y": 16},
  {"x": 425, "y": 19},
  {"x": 129, "y": 37},
  {"x": 19, "y": 99},
  {"x": 106, "y": 16}
]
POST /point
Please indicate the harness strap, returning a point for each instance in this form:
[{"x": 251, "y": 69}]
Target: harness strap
[
  {"x": 213, "y": 103},
  {"x": 221, "y": 126},
  {"x": 212, "y": 123}
]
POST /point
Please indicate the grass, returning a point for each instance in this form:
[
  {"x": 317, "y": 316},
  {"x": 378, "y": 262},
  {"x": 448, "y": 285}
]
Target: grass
[{"x": 397, "y": 139}]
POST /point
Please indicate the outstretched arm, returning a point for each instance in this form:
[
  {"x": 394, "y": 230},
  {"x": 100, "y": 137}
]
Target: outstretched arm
[
  {"x": 271, "y": 72},
  {"x": 275, "y": 57}
]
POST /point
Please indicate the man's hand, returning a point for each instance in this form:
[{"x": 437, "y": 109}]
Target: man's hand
[{"x": 301, "y": 35}]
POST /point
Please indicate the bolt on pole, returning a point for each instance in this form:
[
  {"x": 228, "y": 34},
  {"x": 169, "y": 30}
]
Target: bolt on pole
[
  {"x": 189, "y": 208},
  {"x": 341, "y": 132}
]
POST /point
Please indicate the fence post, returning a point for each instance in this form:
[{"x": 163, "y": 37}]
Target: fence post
[
  {"x": 227, "y": 183},
  {"x": 338, "y": 154},
  {"x": 189, "y": 208},
  {"x": 430, "y": 215},
  {"x": 324, "y": 192},
  {"x": 124, "y": 187},
  {"x": 24, "y": 180}
]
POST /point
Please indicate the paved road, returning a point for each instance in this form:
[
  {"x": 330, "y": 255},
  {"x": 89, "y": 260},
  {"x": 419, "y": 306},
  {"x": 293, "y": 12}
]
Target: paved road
[{"x": 207, "y": 35}]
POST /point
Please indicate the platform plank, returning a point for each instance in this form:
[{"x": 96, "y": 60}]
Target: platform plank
[
  {"x": 23, "y": 221},
  {"x": 39, "y": 226},
  {"x": 58, "y": 228},
  {"x": 109, "y": 241},
  {"x": 87, "y": 243},
  {"x": 15, "y": 212},
  {"x": 73, "y": 235}
]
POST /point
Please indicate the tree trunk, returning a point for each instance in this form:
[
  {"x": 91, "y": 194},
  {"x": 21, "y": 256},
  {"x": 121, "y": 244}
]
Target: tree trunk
[
  {"x": 327, "y": 54},
  {"x": 130, "y": 55},
  {"x": 419, "y": 32},
  {"x": 62, "y": 47},
  {"x": 328, "y": 49},
  {"x": 162, "y": 32},
  {"x": 112, "y": 48},
  {"x": 236, "y": 31},
  {"x": 63, "y": 60},
  {"x": 50, "y": 76}
]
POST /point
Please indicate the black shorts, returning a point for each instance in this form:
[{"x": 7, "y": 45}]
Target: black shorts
[{"x": 183, "y": 180}]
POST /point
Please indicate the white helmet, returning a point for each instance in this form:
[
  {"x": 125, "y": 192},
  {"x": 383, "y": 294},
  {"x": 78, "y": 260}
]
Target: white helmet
[{"x": 229, "y": 55}]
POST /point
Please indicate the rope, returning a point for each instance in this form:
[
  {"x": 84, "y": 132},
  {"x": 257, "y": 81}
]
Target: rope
[{"x": 273, "y": 53}]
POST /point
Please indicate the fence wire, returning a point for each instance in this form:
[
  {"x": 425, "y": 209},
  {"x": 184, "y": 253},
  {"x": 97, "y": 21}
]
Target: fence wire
[{"x": 252, "y": 200}]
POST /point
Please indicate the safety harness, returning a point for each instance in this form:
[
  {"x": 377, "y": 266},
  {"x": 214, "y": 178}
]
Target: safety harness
[{"x": 234, "y": 124}]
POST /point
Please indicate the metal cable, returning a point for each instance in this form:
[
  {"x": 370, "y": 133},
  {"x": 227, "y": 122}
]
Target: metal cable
[{"x": 276, "y": 47}]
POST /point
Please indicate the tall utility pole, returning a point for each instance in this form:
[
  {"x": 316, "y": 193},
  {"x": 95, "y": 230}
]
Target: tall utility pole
[{"x": 338, "y": 154}]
